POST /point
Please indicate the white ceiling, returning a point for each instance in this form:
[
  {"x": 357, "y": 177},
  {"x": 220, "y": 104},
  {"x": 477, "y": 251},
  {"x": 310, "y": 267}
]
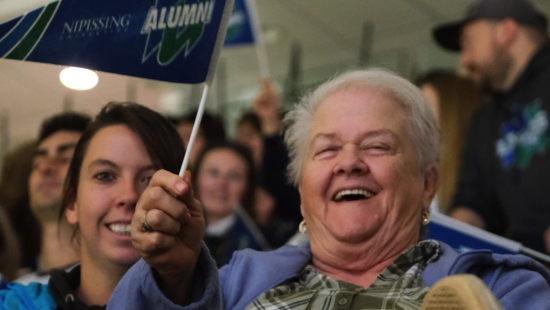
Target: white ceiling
[{"x": 329, "y": 33}]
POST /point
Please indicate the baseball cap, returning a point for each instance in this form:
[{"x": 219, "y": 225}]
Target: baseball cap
[{"x": 522, "y": 11}]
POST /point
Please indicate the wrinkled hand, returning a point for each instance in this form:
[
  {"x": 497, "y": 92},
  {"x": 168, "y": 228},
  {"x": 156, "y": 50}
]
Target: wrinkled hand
[
  {"x": 267, "y": 106},
  {"x": 176, "y": 217}
]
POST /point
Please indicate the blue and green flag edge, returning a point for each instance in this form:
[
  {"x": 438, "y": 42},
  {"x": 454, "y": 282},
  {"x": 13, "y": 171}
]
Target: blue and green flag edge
[{"x": 137, "y": 41}]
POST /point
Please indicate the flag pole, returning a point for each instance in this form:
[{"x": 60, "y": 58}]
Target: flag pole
[
  {"x": 259, "y": 39},
  {"x": 209, "y": 80},
  {"x": 195, "y": 131}
]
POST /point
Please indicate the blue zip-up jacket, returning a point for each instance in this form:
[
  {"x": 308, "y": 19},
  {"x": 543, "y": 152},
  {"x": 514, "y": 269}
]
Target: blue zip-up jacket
[
  {"x": 34, "y": 296},
  {"x": 517, "y": 281}
]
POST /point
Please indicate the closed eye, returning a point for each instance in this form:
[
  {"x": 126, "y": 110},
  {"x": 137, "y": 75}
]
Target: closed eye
[
  {"x": 376, "y": 149},
  {"x": 326, "y": 150}
]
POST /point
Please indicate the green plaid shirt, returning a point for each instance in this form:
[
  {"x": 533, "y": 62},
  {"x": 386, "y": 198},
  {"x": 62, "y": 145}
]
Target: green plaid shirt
[{"x": 399, "y": 286}]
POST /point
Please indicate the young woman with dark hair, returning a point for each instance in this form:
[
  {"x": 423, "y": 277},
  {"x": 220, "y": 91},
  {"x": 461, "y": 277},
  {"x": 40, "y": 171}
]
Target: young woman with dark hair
[{"x": 112, "y": 165}]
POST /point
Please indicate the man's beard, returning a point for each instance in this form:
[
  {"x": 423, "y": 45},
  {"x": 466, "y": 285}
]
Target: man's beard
[{"x": 494, "y": 73}]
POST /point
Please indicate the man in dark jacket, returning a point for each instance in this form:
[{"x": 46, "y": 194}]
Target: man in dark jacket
[{"x": 505, "y": 169}]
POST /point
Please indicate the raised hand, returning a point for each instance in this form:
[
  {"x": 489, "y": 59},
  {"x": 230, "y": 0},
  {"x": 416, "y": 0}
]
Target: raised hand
[
  {"x": 167, "y": 229},
  {"x": 266, "y": 106}
]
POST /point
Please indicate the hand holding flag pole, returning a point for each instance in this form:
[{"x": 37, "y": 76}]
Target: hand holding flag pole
[
  {"x": 209, "y": 79},
  {"x": 174, "y": 40}
]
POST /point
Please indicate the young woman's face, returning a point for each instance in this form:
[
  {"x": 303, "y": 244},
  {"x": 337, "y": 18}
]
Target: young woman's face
[
  {"x": 115, "y": 170},
  {"x": 221, "y": 182}
]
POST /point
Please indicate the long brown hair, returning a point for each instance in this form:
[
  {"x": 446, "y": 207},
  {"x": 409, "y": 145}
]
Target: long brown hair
[
  {"x": 458, "y": 98},
  {"x": 14, "y": 200},
  {"x": 10, "y": 252}
]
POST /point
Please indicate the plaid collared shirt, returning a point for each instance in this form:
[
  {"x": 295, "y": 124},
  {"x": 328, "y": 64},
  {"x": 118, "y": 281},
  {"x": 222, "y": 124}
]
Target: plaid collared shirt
[{"x": 399, "y": 286}]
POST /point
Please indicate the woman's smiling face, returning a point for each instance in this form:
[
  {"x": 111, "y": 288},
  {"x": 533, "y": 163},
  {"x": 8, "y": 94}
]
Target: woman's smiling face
[
  {"x": 221, "y": 182},
  {"x": 115, "y": 170},
  {"x": 360, "y": 178}
]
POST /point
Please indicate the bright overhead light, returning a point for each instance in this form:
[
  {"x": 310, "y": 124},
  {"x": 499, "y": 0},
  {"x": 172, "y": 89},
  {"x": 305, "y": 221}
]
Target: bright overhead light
[
  {"x": 273, "y": 34},
  {"x": 78, "y": 78}
]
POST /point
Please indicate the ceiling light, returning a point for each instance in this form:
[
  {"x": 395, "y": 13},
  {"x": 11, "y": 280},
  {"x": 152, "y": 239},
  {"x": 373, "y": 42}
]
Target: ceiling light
[
  {"x": 273, "y": 34},
  {"x": 78, "y": 78}
]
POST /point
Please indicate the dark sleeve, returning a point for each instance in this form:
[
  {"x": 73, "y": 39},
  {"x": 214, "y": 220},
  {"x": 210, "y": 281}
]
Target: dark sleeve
[
  {"x": 274, "y": 179},
  {"x": 476, "y": 176}
]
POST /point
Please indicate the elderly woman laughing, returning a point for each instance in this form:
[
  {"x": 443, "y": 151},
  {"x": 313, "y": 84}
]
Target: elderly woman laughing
[{"x": 364, "y": 156}]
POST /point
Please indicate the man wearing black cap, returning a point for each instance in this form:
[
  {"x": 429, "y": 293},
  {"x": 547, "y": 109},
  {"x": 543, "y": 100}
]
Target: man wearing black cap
[{"x": 504, "y": 181}]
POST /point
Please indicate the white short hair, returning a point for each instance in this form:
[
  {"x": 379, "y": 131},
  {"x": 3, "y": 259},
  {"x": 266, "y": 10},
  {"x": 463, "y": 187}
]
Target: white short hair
[{"x": 420, "y": 118}]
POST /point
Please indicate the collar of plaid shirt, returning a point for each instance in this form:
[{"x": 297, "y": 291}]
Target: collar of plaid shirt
[{"x": 399, "y": 286}]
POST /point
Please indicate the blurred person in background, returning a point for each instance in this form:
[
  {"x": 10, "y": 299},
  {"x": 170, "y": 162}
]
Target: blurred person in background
[
  {"x": 505, "y": 168},
  {"x": 14, "y": 200},
  {"x": 211, "y": 130},
  {"x": 249, "y": 133},
  {"x": 453, "y": 100},
  {"x": 262, "y": 131},
  {"x": 57, "y": 139},
  {"x": 224, "y": 180}
]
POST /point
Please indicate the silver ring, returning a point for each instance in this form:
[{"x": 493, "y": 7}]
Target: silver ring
[{"x": 144, "y": 225}]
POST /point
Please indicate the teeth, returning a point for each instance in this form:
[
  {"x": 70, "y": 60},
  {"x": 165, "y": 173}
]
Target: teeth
[
  {"x": 340, "y": 195},
  {"x": 121, "y": 229}
]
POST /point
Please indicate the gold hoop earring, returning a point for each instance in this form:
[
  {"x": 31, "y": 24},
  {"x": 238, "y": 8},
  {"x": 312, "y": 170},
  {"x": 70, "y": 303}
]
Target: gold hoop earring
[
  {"x": 425, "y": 217},
  {"x": 303, "y": 227}
]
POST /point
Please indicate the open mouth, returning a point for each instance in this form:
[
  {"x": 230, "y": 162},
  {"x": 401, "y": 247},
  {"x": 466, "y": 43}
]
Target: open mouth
[
  {"x": 120, "y": 229},
  {"x": 352, "y": 195}
]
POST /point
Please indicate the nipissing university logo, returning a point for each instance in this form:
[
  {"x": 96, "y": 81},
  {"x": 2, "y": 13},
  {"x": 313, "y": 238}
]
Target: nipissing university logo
[{"x": 176, "y": 28}]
